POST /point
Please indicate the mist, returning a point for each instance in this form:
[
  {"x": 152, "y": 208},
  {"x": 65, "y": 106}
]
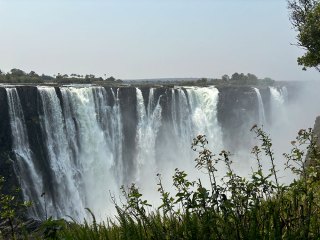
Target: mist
[
  {"x": 291, "y": 108},
  {"x": 91, "y": 140}
]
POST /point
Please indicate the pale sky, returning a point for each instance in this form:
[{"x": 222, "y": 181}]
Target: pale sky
[{"x": 132, "y": 39}]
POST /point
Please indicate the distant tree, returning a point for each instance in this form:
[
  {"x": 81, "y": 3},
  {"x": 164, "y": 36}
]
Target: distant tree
[
  {"x": 225, "y": 77},
  {"x": 235, "y": 76},
  {"x": 46, "y": 77},
  {"x": 242, "y": 76},
  {"x": 17, "y": 72},
  {"x": 251, "y": 76},
  {"x": 202, "y": 81},
  {"x": 305, "y": 18},
  {"x": 89, "y": 76},
  {"x": 33, "y": 74},
  {"x": 112, "y": 79},
  {"x": 59, "y": 76},
  {"x": 268, "y": 81}
]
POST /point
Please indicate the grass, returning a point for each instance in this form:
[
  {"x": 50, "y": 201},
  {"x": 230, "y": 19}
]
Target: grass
[{"x": 258, "y": 207}]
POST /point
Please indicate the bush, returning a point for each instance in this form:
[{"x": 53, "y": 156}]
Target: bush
[{"x": 259, "y": 207}]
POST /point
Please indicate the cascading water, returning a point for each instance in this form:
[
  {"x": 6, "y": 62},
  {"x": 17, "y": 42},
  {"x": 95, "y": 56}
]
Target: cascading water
[
  {"x": 203, "y": 103},
  {"x": 98, "y": 148},
  {"x": 83, "y": 144},
  {"x": 197, "y": 115},
  {"x": 262, "y": 118},
  {"x": 31, "y": 183},
  {"x": 181, "y": 118},
  {"x": 109, "y": 118},
  {"x": 193, "y": 111},
  {"x": 149, "y": 121},
  {"x": 65, "y": 195},
  {"x": 85, "y": 132},
  {"x": 279, "y": 97}
]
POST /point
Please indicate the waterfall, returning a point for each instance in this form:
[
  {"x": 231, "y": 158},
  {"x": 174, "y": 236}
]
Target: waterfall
[
  {"x": 203, "y": 103},
  {"x": 182, "y": 118},
  {"x": 109, "y": 118},
  {"x": 279, "y": 98},
  {"x": 99, "y": 142},
  {"x": 83, "y": 138},
  {"x": 65, "y": 198},
  {"x": 196, "y": 114},
  {"x": 262, "y": 118},
  {"x": 117, "y": 136},
  {"x": 149, "y": 121},
  {"x": 31, "y": 182}
]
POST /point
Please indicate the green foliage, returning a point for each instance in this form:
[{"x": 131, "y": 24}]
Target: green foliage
[
  {"x": 18, "y": 76},
  {"x": 11, "y": 207},
  {"x": 50, "y": 228},
  {"x": 242, "y": 79},
  {"x": 234, "y": 207},
  {"x": 305, "y": 17}
]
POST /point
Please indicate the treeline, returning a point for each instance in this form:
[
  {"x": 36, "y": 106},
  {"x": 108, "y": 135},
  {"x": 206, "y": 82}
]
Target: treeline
[
  {"x": 244, "y": 77},
  {"x": 226, "y": 80},
  {"x": 237, "y": 79},
  {"x": 19, "y": 76}
]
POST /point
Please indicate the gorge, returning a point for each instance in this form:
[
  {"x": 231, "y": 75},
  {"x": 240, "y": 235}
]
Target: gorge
[{"x": 74, "y": 145}]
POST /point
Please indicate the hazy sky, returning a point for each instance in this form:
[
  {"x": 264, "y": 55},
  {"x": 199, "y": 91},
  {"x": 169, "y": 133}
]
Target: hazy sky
[{"x": 150, "y": 38}]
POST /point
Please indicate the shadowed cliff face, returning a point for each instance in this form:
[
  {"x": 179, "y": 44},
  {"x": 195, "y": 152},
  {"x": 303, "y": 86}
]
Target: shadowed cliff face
[
  {"x": 316, "y": 131},
  {"x": 5, "y": 137},
  {"x": 6, "y": 154},
  {"x": 237, "y": 113},
  {"x": 128, "y": 103},
  {"x": 114, "y": 136}
]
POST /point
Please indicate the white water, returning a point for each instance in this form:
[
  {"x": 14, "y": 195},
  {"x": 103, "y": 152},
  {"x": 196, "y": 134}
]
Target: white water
[
  {"x": 182, "y": 121},
  {"x": 279, "y": 98},
  {"x": 149, "y": 121},
  {"x": 197, "y": 115},
  {"x": 66, "y": 194},
  {"x": 282, "y": 130},
  {"x": 262, "y": 117},
  {"x": 278, "y": 95},
  {"x": 203, "y": 104},
  {"x": 84, "y": 136},
  {"x": 97, "y": 152},
  {"x": 31, "y": 182},
  {"x": 193, "y": 112},
  {"x": 83, "y": 145}
]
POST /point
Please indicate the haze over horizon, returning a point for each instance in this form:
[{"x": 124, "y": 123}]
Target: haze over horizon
[{"x": 150, "y": 39}]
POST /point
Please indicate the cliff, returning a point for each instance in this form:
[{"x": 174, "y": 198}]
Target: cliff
[{"x": 99, "y": 127}]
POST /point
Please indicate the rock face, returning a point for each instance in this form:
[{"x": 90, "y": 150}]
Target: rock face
[
  {"x": 233, "y": 112},
  {"x": 316, "y": 131},
  {"x": 128, "y": 106},
  {"x": 237, "y": 113},
  {"x": 6, "y": 154}
]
